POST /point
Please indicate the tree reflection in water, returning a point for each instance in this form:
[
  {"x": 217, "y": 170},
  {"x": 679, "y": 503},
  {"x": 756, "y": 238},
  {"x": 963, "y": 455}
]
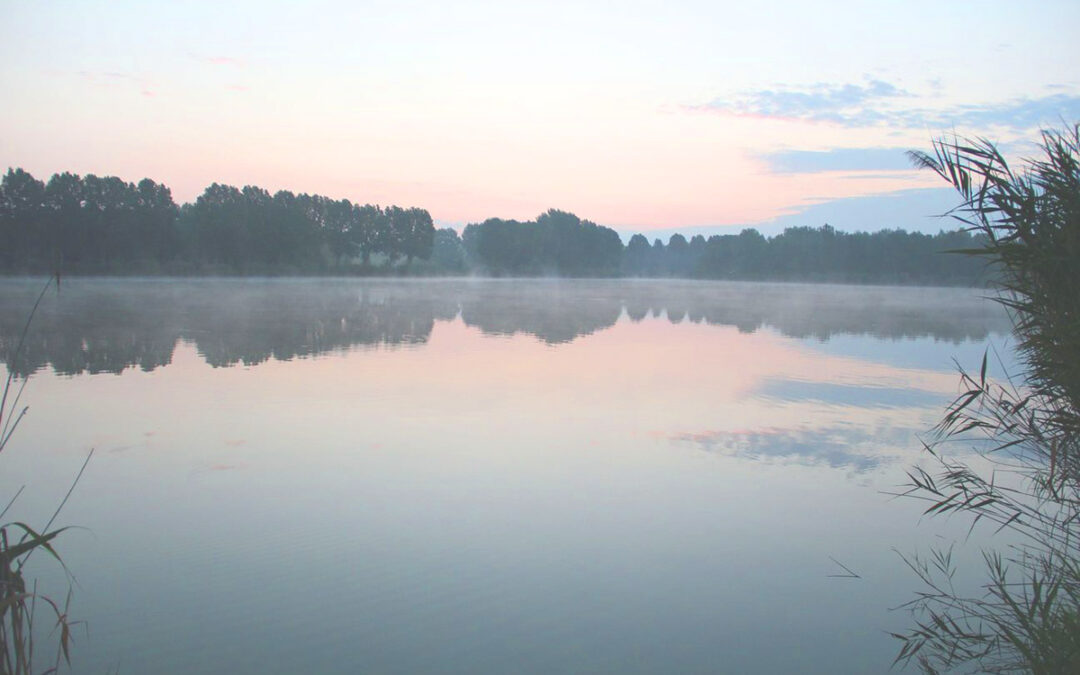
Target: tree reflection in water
[{"x": 106, "y": 326}]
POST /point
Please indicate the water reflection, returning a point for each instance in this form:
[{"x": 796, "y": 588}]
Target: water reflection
[
  {"x": 97, "y": 326},
  {"x": 461, "y": 460},
  {"x": 839, "y": 447},
  {"x": 847, "y": 394}
]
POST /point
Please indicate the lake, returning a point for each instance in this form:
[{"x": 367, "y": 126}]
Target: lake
[{"x": 483, "y": 476}]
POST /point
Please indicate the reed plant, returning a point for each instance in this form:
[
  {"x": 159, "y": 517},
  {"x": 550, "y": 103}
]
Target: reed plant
[
  {"x": 1025, "y": 426},
  {"x": 21, "y": 605}
]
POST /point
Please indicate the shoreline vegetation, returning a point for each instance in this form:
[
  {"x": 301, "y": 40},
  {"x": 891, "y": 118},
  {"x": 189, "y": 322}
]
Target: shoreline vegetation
[
  {"x": 1025, "y": 428},
  {"x": 20, "y": 599},
  {"x": 104, "y": 226}
]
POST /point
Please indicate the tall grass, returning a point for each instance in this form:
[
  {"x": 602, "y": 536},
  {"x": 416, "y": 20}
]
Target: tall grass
[
  {"x": 1027, "y": 619},
  {"x": 21, "y": 605}
]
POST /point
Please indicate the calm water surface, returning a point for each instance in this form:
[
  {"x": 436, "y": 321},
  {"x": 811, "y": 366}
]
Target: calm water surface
[{"x": 483, "y": 476}]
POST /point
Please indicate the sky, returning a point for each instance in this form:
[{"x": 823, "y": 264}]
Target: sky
[{"x": 657, "y": 117}]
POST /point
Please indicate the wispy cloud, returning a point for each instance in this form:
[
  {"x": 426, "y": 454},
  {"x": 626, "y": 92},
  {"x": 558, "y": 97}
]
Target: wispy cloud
[
  {"x": 839, "y": 159},
  {"x": 225, "y": 61},
  {"x": 880, "y": 103},
  {"x": 114, "y": 78},
  {"x": 108, "y": 76},
  {"x": 846, "y": 104},
  {"x": 1026, "y": 113},
  {"x": 785, "y": 389}
]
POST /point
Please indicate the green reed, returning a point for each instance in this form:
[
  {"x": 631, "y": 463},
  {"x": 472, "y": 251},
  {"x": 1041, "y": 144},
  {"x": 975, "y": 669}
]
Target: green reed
[
  {"x": 1027, "y": 618},
  {"x": 20, "y": 604}
]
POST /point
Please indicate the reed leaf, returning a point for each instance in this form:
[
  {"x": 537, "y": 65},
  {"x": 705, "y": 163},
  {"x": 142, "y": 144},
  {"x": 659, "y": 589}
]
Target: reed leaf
[{"x": 1028, "y": 620}]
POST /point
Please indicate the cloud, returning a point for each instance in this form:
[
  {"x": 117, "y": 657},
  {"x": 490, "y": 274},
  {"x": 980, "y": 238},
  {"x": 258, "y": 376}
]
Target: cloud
[
  {"x": 109, "y": 76},
  {"x": 912, "y": 209},
  {"x": 870, "y": 176},
  {"x": 1027, "y": 113},
  {"x": 112, "y": 78},
  {"x": 839, "y": 159},
  {"x": 845, "y": 104},
  {"x": 225, "y": 61},
  {"x": 915, "y": 210},
  {"x": 879, "y": 103}
]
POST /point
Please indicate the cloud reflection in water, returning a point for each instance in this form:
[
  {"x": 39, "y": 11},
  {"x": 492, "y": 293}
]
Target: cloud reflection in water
[
  {"x": 840, "y": 447},
  {"x": 862, "y": 396}
]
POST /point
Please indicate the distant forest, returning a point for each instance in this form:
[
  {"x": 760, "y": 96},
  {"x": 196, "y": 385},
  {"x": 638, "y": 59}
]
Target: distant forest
[{"x": 104, "y": 225}]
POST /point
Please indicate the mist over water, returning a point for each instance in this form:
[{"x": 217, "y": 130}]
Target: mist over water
[
  {"x": 106, "y": 326},
  {"x": 484, "y": 476}
]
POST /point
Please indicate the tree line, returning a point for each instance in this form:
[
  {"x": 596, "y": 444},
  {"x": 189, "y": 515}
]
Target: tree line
[
  {"x": 810, "y": 254},
  {"x": 104, "y": 225},
  {"x": 556, "y": 243},
  {"x": 560, "y": 244}
]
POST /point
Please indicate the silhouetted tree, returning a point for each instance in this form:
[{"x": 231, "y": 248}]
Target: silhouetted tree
[
  {"x": 556, "y": 243},
  {"x": 677, "y": 260},
  {"x": 364, "y": 224},
  {"x": 636, "y": 256},
  {"x": 448, "y": 253},
  {"x": 22, "y": 221},
  {"x": 336, "y": 231},
  {"x": 418, "y": 235},
  {"x": 97, "y": 224}
]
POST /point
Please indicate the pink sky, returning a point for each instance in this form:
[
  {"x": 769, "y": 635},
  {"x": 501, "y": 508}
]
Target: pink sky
[{"x": 641, "y": 116}]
